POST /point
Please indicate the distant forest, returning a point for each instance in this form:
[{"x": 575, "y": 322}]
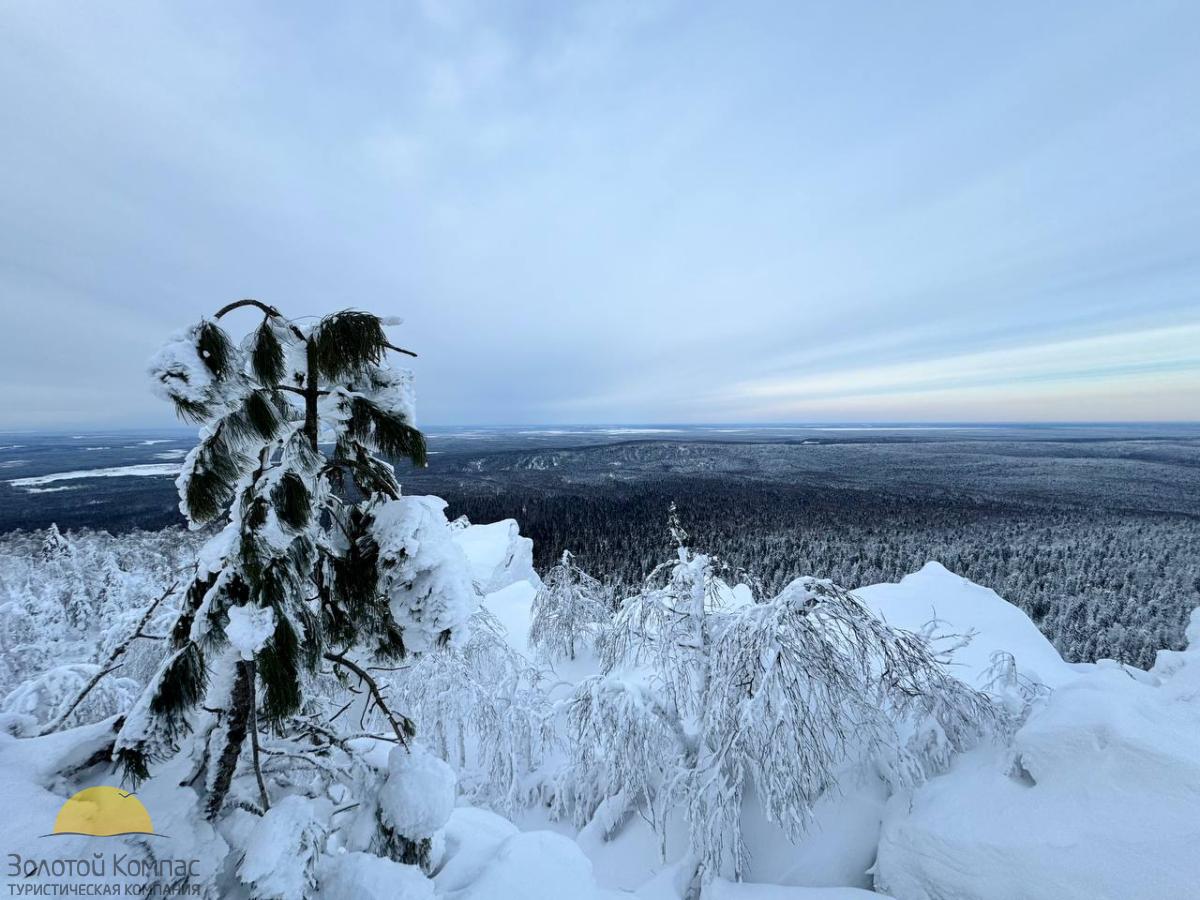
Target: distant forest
[
  {"x": 1098, "y": 540},
  {"x": 1099, "y": 583}
]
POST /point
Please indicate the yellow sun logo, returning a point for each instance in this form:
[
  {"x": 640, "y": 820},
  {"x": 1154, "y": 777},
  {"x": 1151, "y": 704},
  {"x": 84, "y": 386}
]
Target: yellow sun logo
[{"x": 103, "y": 812}]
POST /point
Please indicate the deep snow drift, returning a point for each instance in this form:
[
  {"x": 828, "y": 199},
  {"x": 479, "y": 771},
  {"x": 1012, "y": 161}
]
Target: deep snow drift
[{"x": 1095, "y": 795}]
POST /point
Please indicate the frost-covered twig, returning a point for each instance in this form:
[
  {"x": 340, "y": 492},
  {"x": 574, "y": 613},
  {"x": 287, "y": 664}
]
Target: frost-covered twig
[
  {"x": 108, "y": 666},
  {"x": 402, "y": 725}
]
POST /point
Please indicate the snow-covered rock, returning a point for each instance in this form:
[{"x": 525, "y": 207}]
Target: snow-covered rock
[
  {"x": 512, "y": 606},
  {"x": 498, "y": 554},
  {"x": 959, "y": 607},
  {"x": 1098, "y": 798}
]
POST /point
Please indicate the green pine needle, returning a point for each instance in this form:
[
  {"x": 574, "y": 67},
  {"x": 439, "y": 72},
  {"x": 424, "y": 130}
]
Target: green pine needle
[
  {"x": 180, "y": 688},
  {"x": 279, "y": 670},
  {"x": 258, "y": 418},
  {"x": 266, "y": 355},
  {"x": 292, "y": 500},
  {"x": 134, "y": 765},
  {"x": 217, "y": 468},
  {"x": 215, "y": 349},
  {"x": 192, "y": 411},
  {"x": 385, "y": 431},
  {"x": 347, "y": 341}
]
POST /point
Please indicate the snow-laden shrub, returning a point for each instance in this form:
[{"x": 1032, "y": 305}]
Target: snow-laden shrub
[
  {"x": 418, "y": 795},
  {"x": 484, "y": 710},
  {"x": 75, "y": 598},
  {"x": 49, "y": 695},
  {"x": 283, "y": 849},
  {"x": 568, "y": 610}
]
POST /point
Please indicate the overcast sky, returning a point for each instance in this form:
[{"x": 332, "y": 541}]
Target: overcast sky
[{"x": 617, "y": 212}]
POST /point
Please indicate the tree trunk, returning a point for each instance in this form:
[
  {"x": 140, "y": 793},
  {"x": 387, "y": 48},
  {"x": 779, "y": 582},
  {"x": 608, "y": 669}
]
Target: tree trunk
[
  {"x": 241, "y": 704},
  {"x": 312, "y": 393}
]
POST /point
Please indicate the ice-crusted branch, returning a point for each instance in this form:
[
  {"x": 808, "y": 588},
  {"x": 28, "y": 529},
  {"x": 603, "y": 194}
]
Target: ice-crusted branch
[
  {"x": 402, "y": 726},
  {"x": 110, "y": 663}
]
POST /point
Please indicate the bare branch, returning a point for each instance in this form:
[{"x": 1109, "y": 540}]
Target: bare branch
[
  {"x": 401, "y": 726},
  {"x": 107, "y": 667}
]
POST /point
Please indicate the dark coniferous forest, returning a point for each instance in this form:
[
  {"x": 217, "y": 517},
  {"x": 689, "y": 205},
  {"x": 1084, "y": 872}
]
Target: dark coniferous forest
[{"x": 1094, "y": 533}]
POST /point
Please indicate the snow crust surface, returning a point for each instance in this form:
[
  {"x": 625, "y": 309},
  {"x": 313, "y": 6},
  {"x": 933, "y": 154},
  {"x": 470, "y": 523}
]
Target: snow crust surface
[
  {"x": 365, "y": 876},
  {"x": 957, "y": 606},
  {"x": 498, "y": 554},
  {"x": 1099, "y": 796}
]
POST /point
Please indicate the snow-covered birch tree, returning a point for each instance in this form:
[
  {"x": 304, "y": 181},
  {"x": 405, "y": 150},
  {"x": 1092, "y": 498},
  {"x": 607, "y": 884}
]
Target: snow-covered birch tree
[
  {"x": 701, "y": 697},
  {"x": 568, "y": 609}
]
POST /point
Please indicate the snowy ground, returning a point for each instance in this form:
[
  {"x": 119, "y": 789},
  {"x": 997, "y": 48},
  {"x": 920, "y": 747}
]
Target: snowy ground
[{"x": 1095, "y": 797}]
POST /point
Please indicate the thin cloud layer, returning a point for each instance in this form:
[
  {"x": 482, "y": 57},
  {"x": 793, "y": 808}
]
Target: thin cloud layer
[{"x": 617, "y": 211}]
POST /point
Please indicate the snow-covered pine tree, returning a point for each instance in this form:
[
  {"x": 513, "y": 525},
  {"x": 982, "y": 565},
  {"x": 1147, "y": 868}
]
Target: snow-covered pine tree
[
  {"x": 54, "y": 546},
  {"x": 322, "y": 563},
  {"x": 703, "y": 695},
  {"x": 568, "y": 609}
]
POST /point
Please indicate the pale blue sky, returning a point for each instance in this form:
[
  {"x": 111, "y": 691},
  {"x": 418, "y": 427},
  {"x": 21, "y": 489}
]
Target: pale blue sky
[{"x": 609, "y": 212}]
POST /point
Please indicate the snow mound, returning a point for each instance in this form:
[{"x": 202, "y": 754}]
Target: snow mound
[
  {"x": 470, "y": 841},
  {"x": 728, "y": 890},
  {"x": 958, "y": 606},
  {"x": 1097, "y": 798},
  {"x": 418, "y": 796},
  {"x": 364, "y": 876},
  {"x": 535, "y": 865},
  {"x": 498, "y": 555}
]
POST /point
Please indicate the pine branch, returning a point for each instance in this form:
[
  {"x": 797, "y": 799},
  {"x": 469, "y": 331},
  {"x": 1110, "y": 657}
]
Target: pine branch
[
  {"x": 215, "y": 349},
  {"x": 267, "y": 310},
  {"x": 215, "y": 470},
  {"x": 266, "y": 355},
  {"x": 385, "y": 431},
  {"x": 258, "y": 775},
  {"x": 238, "y": 304},
  {"x": 348, "y": 341}
]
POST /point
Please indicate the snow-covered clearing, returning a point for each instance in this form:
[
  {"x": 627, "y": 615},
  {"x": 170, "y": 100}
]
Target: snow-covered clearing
[{"x": 142, "y": 470}]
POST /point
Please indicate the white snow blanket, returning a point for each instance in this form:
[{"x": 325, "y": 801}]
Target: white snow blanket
[
  {"x": 499, "y": 556},
  {"x": 957, "y": 607},
  {"x": 1098, "y": 798},
  {"x": 1098, "y": 795}
]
